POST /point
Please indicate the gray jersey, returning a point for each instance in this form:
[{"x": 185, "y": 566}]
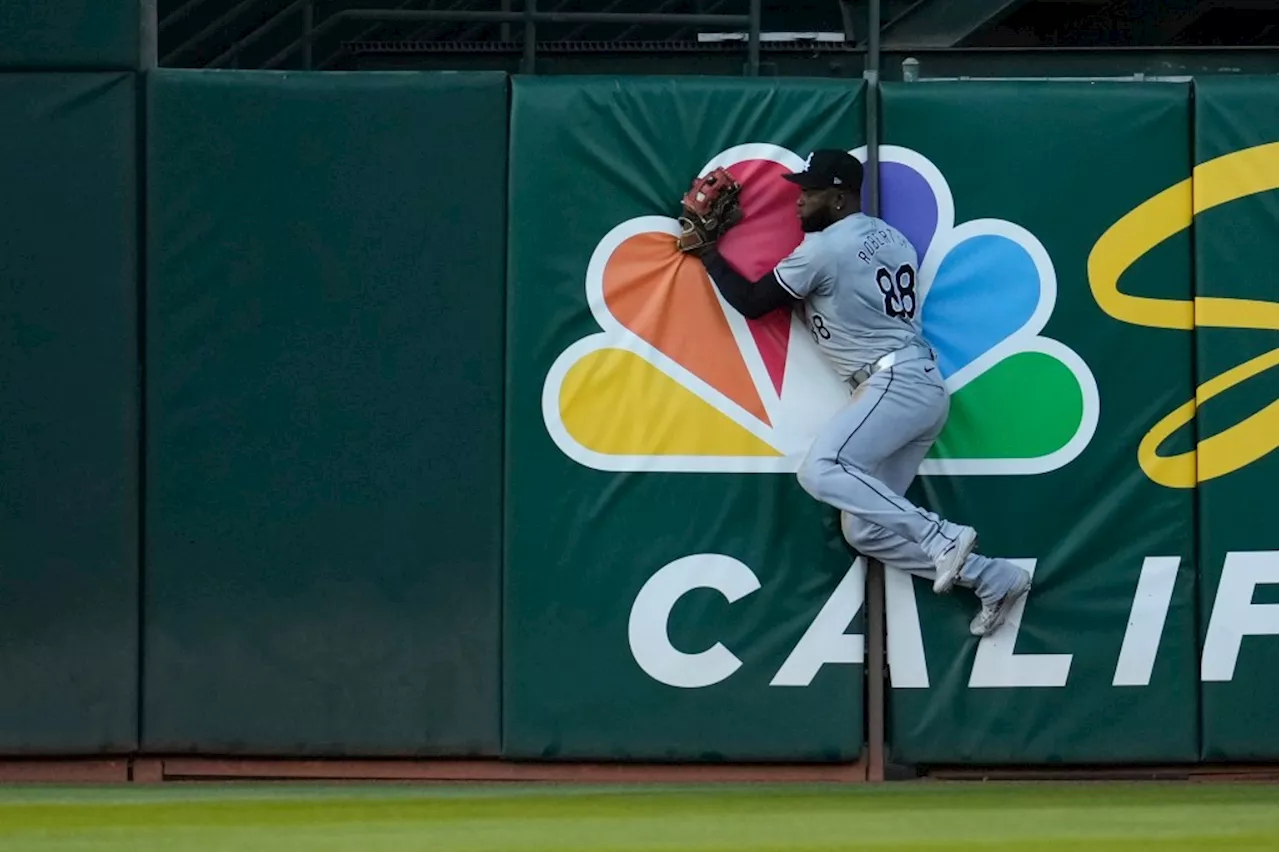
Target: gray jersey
[{"x": 858, "y": 279}]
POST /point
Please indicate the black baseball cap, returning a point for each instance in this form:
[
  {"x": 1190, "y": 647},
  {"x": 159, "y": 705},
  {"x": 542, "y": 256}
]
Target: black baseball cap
[{"x": 829, "y": 167}]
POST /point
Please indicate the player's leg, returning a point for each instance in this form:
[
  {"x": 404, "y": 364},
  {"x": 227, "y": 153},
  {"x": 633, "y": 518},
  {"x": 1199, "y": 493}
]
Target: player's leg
[
  {"x": 894, "y": 408},
  {"x": 996, "y": 582}
]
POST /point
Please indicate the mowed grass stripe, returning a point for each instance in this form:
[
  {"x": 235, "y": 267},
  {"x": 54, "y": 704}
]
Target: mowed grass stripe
[{"x": 632, "y": 819}]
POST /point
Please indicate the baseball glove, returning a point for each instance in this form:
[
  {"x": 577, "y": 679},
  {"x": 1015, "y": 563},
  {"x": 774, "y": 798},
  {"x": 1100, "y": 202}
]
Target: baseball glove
[{"x": 708, "y": 209}]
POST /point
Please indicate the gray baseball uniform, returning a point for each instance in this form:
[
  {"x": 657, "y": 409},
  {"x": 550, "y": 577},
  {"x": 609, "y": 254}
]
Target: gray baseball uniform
[{"x": 857, "y": 280}]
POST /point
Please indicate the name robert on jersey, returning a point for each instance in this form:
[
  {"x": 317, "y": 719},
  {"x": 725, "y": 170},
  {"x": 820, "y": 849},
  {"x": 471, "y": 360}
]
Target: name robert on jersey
[{"x": 878, "y": 240}]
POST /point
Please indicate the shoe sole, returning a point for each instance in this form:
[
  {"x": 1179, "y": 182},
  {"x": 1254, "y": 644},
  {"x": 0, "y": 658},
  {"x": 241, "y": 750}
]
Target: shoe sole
[
  {"x": 955, "y": 563},
  {"x": 1006, "y": 606}
]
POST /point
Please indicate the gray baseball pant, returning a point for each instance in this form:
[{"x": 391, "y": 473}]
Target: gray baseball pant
[{"x": 865, "y": 458}]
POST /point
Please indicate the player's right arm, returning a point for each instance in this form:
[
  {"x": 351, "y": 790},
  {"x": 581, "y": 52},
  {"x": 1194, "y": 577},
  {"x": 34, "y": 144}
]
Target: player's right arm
[
  {"x": 752, "y": 299},
  {"x": 787, "y": 284}
]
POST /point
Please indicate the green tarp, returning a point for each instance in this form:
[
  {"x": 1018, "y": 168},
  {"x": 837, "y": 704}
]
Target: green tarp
[
  {"x": 83, "y": 35},
  {"x": 671, "y": 592},
  {"x": 324, "y": 381},
  {"x": 69, "y": 401},
  {"x": 1237, "y": 423},
  {"x": 1051, "y": 397}
]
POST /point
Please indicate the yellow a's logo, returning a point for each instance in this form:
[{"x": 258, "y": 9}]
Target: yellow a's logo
[{"x": 1213, "y": 183}]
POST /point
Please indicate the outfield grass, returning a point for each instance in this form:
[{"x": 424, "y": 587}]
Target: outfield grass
[{"x": 737, "y": 818}]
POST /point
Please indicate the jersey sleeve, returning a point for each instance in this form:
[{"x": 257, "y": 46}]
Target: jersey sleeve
[{"x": 803, "y": 271}]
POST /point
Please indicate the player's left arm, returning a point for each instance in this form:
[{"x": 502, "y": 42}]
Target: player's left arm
[{"x": 752, "y": 299}]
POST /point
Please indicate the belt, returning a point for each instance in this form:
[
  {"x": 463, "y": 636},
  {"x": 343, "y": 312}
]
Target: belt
[{"x": 898, "y": 356}]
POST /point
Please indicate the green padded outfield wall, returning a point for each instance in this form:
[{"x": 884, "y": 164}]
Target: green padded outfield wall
[
  {"x": 68, "y": 414},
  {"x": 72, "y": 34},
  {"x": 1010, "y": 186},
  {"x": 324, "y": 408},
  {"x": 670, "y": 591},
  {"x": 1237, "y": 423}
]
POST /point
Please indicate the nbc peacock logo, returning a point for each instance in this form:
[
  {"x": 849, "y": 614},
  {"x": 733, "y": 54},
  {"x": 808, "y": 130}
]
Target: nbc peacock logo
[{"x": 677, "y": 381}]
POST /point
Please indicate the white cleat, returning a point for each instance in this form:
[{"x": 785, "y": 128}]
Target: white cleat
[
  {"x": 994, "y": 615},
  {"x": 952, "y": 560}
]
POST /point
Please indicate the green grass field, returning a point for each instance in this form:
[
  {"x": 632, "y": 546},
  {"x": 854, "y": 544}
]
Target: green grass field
[{"x": 737, "y": 818}]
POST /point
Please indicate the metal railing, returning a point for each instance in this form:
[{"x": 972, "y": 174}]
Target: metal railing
[
  {"x": 529, "y": 18},
  {"x": 304, "y": 9},
  {"x": 301, "y": 13}
]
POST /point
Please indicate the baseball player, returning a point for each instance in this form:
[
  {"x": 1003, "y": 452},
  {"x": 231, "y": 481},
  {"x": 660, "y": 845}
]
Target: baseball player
[{"x": 854, "y": 278}]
